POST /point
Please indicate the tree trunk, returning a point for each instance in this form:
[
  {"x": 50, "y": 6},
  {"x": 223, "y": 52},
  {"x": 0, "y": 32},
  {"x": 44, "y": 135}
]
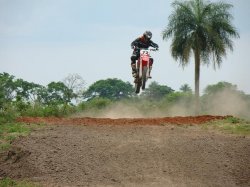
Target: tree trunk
[{"x": 197, "y": 81}]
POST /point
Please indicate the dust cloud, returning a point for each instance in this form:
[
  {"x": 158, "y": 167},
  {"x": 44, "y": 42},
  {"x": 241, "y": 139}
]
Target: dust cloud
[
  {"x": 181, "y": 109},
  {"x": 136, "y": 110},
  {"x": 227, "y": 102},
  {"x": 121, "y": 110}
]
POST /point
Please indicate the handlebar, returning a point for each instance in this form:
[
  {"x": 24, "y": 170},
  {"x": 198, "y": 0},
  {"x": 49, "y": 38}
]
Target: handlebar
[
  {"x": 155, "y": 49},
  {"x": 150, "y": 49}
]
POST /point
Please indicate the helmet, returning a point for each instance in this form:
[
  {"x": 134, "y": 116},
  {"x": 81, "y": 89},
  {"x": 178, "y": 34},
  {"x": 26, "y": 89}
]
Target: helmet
[{"x": 147, "y": 35}]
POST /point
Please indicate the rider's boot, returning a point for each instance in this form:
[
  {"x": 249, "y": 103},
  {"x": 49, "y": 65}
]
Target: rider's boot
[
  {"x": 134, "y": 71},
  {"x": 149, "y": 75}
]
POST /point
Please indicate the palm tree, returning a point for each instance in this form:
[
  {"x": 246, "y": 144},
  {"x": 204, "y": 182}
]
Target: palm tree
[
  {"x": 185, "y": 88},
  {"x": 203, "y": 28}
]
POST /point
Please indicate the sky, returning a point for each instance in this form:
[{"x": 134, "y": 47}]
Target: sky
[{"x": 46, "y": 40}]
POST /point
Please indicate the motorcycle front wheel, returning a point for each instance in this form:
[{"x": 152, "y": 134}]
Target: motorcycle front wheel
[{"x": 138, "y": 84}]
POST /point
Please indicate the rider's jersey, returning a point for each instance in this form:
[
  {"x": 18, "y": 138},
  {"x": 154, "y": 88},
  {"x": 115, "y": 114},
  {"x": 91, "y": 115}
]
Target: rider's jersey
[{"x": 142, "y": 43}]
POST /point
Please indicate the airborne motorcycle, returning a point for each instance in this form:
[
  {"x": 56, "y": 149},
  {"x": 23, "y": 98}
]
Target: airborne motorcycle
[{"x": 143, "y": 67}]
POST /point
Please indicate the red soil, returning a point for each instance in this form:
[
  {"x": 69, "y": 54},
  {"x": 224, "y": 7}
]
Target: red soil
[{"x": 193, "y": 120}]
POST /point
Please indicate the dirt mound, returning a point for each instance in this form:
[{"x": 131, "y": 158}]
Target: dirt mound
[
  {"x": 122, "y": 121},
  {"x": 12, "y": 160},
  {"x": 103, "y": 152}
]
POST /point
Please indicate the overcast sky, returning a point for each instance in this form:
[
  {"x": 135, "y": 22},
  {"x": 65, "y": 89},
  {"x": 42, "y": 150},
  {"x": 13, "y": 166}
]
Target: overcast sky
[{"x": 46, "y": 40}]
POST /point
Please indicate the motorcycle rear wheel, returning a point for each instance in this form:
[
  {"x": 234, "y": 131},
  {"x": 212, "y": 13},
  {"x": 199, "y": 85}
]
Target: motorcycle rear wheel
[{"x": 144, "y": 77}]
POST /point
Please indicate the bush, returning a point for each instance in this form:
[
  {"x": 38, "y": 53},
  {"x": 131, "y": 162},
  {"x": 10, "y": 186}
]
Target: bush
[
  {"x": 96, "y": 104},
  {"x": 10, "y": 131},
  {"x": 8, "y": 114},
  {"x": 40, "y": 110}
]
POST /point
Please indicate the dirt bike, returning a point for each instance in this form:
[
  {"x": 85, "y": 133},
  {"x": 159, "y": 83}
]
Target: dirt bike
[{"x": 143, "y": 67}]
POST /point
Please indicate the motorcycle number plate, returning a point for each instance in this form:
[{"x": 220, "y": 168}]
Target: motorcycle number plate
[{"x": 144, "y": 52}]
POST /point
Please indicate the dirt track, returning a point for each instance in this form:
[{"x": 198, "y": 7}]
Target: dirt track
[
  {"x": 143, "y": 152},
  {"x": 178, "y": 120}
]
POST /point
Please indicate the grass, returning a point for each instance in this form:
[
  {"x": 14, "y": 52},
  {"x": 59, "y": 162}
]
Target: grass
[
  {"x": 10, "y": 131},
  {"x": 230, "y": 125},
  {"x": 7, "y": 182}
]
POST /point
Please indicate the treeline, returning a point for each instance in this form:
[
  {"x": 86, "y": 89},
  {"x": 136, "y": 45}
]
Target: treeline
[{"x": 70, "y": 97}]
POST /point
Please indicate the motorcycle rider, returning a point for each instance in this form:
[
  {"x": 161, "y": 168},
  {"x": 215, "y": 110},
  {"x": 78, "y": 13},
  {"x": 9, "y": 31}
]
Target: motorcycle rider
[{"x": 142, "y": 42}]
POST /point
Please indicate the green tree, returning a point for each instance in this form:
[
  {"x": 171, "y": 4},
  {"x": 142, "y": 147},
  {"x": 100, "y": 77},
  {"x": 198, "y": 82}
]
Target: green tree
[
  {"x": 58, "y": 93},
  {"x": 7, "y": 88},
  {"x": 157, "y": 91},
  {"x": 26, "y": 91},
  {"x": 203, "y": 28},
  {"x": 110, "y": 88},
  {"x": 17, "y": 89},
  {"x": 219, "y": 87}
]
